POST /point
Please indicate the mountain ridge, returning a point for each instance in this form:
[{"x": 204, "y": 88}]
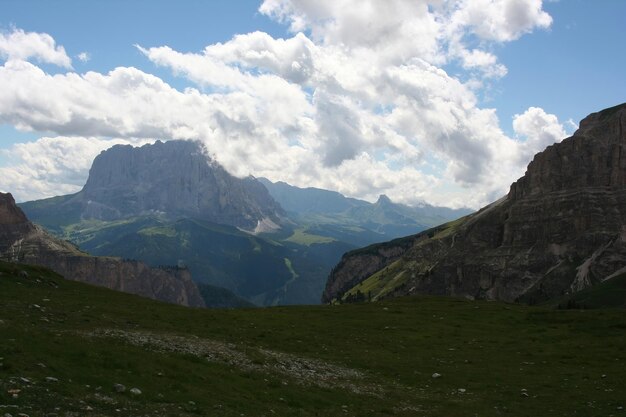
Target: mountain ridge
[
  {"x": 24, "y": 242},
  {"x": 561, "y": 228},
  {"x": 384, "y": 217}
]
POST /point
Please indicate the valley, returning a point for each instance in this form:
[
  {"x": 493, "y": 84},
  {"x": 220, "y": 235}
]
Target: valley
[{"x": 265, "y": 243}]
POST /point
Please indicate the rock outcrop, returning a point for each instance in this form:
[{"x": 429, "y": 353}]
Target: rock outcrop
[
  {"x": 24, "y": 242},
  {"x": 561, "y": 228},
  {"x": 10, "y": 214},
  {"x": 176, "y": 178}
]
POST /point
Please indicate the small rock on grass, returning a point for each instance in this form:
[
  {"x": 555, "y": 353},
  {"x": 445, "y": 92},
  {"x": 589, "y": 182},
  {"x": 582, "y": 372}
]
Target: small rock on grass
[
  {"x": 135, "y": 391},
  {"x": 119, "y": 388},
  {"x": 436, "y": 375}
]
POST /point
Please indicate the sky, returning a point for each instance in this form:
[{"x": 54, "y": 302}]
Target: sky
[{"x": 437, "y": 101}]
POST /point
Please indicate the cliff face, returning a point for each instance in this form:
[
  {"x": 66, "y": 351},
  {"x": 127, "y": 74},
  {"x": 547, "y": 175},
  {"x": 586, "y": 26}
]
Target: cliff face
[
  {"x": 176, "y": 178},
  {"x": 21, "y": 241},
  {"x": 13, "y": 223},
  {"x": 357, "y": 266},
  {"x": 10, "y": 214},
  {"x": 561, "y": 228}
]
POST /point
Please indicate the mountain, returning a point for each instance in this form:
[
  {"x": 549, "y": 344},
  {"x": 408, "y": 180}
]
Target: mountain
[
  {"x": 175, "y": 179},
  {"x": 167, "y": 203},
  {"x": 310, "y": 200},
  {"x": 22, "y": 241},
  {"x": 560, "y": 229},
  {"x": 394, "y": 220},
  {"x": 329, "y": 213}
]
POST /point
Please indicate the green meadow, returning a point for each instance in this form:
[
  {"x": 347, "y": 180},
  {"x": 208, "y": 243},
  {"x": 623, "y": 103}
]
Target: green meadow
[{"x": 65, "y": 345}]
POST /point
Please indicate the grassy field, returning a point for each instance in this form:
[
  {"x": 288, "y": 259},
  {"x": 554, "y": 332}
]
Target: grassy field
[
  {"x": 64, "y": 345},
  {"x": 301, "y": 237}
]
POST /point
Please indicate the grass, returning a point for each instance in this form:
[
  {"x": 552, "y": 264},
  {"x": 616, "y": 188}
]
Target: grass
[
  {"x": 301, "y": 237},
  {"x": 611, "y": 293},
  {"x": 449, "y": 228},
  {"x": 379, "y": 284},
  {"x": 167, "y": 231},
  {"x": 372, "y": 359}
]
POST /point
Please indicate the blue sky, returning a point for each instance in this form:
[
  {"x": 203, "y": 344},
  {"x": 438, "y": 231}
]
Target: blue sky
[
  {"x": 562, "y": 60},
  {"x": 571, "y": 70}
]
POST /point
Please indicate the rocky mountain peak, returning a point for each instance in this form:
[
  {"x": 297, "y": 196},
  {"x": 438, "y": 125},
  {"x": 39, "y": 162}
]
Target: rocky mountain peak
[
  {"x": 383, "y": 200},
  {"x": 608, "y": 123},
  {"x": 595, "y": 156},
  {"x": 10, "y": 213},
  {"x": 176, "y": 178}
]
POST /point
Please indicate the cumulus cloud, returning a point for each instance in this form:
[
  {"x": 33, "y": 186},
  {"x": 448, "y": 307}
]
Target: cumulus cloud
[
  {"x": 538, "y": 130},
  {"x": 357, "y": 100},
  {"x": 433, "y": 30},
  {"x": 20, "y": 45},
  {"x": 501, "y": 20},
  {"x": 394, "y": 29}
]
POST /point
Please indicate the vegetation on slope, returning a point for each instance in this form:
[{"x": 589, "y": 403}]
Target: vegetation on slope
[
  {"x": 303, "y": 237},
  {"x": 610, "y": 293},
  {"x": 65, "y": 345},
  {"x": 252, "y": 267}
]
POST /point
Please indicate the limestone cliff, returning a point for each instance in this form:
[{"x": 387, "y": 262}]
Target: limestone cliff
[
  {"x": 176, "y": 178},
  {"x": 22, "y": 241},
  {"x": 561, "y": 228}
]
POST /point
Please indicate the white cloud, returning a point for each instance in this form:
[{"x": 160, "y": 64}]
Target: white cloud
[
  {"x": 20, "y": 45},
  {"x": 360, "y": 111},
  {"x": 538, "y": 129},
  {"x": 51, "y": 165},
  {"x": 396, "y": 28},
  {"x": 84, "y": 56},
  {"x": 436, "y": 31},
  {"x": 501, "y": 20}
]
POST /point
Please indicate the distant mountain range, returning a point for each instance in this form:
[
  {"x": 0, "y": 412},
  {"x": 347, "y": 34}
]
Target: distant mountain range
[
  {"x": 168, "y": 203},
  {"x": 378, "y": 221},
  {"x": 560, "y": 230}
]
